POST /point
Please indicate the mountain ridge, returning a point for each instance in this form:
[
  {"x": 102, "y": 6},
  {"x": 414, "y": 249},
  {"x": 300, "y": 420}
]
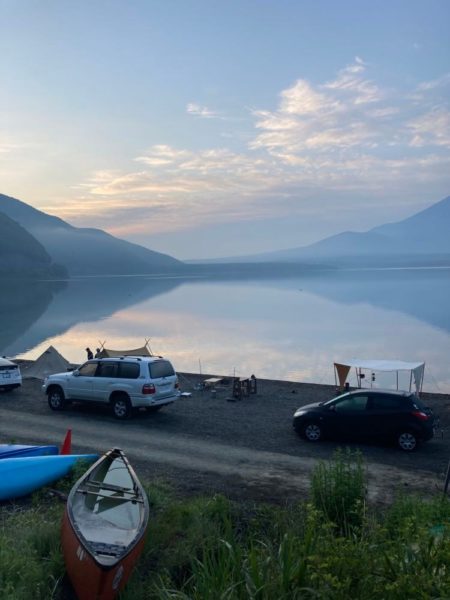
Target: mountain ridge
[
  {"x": 421, "y": 236},
  {"x": 86, "y": 251}
]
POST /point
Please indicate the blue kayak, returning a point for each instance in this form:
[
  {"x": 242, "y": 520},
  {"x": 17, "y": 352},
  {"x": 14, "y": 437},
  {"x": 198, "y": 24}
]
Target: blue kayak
[
  {"x": 16, "y": 450},
  {"x": 22, "y": 476}
]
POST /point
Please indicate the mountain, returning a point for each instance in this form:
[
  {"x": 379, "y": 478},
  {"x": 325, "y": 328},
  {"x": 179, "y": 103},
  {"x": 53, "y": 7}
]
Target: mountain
[
  {"x": 419, "y": 239},
  {"x": 86, "y": 251},
  {"x": 21, "y": 255}
]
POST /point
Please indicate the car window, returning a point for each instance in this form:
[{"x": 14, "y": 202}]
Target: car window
[
  {"x": 106, "y": 369},
  {"x": 351, "y": 403},
  {"x": 386, "y": 402},
  {"x": 128, "y": 370},
  {"x": 161, "y": 368},
  {"x": 88, "y": 369}
]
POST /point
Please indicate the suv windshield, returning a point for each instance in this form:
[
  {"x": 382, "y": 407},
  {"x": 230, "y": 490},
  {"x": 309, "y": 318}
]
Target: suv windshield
[{"x": 161, "y": 368}]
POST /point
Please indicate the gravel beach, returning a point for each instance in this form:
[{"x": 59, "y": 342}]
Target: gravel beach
[{"x": 206, "y": 442}]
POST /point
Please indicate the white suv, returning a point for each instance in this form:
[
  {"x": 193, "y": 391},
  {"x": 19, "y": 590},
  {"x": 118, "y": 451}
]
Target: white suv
[
  {"x": 124, "y": 383},
  {"x": 10, "y": 376}
]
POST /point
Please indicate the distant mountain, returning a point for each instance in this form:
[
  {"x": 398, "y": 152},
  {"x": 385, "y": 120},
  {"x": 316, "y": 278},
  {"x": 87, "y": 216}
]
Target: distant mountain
[
  {"x": 86, "y": 251},
  {"x": 21, "y": 255},
  {"x": 419, "y": 239}
]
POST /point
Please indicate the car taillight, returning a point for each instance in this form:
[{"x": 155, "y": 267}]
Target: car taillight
[
  {"x": 420, "y": 415},
  {"x": 148, "y": 388}
]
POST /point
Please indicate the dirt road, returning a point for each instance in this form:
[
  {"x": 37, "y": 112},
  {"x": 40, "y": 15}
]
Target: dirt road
[{"x": 205, "y": 443}]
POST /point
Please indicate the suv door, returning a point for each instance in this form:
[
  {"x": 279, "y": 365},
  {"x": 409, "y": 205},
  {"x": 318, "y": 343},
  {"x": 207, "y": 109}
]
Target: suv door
[
  {"x": 104, "y": 380},
  {"x": 79, "y": 386}
]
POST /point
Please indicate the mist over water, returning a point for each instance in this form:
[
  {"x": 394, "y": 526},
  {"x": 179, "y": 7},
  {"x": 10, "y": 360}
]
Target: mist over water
[{"x": 290, "y": 328}]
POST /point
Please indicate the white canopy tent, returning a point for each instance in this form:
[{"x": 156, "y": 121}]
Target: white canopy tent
[{"x": 417, "y": 369}]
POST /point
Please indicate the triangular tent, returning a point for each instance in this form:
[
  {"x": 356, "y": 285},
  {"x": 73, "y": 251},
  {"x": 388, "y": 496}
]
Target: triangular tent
[{"x": 48, "y": 363}]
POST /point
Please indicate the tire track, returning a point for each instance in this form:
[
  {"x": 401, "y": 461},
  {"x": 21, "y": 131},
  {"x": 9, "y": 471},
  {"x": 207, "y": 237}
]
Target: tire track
[{"x": 147, "y": 449}]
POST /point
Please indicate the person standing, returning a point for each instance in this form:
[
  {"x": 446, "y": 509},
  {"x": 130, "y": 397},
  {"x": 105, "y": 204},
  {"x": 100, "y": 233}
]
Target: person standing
[{"x": 89, "y": 354}]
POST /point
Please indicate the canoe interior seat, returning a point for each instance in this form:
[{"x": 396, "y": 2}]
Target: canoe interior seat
[
  {"x": 109, "y": 486},
  {"x": 107, "y": 549}
]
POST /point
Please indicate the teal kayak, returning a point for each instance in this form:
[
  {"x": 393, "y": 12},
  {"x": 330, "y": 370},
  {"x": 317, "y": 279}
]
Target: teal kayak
[{"x": 22, "y": 476}]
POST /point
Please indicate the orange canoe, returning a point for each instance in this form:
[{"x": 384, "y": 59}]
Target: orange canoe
[{"x": 104, "y": 525}]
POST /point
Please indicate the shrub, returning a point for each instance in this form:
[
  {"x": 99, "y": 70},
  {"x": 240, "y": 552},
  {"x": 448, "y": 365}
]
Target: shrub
[{"x": 338, "y": 490}]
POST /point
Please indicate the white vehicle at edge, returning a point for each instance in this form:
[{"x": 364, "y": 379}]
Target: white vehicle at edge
[
  {"x": 124, "y": 382},
  {"x": 10, "y": 376}
]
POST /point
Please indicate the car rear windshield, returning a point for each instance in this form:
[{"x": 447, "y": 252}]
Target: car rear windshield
[
  {"x": 9, "y": 367},
  {"x": 161, "y": 368},
  {"x": 418, "y": 402}
]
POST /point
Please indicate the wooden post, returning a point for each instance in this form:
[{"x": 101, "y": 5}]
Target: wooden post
[{"x": 447, "y": 479}]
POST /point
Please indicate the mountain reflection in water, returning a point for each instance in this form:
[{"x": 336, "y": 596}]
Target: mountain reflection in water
[{"x": 281, "y": 328}]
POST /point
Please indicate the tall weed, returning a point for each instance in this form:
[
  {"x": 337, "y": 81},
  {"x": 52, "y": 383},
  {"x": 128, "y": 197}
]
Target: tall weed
[{"x": 338, "y": 491}]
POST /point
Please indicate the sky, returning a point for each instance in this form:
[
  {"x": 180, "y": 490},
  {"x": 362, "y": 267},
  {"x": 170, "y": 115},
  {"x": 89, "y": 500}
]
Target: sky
[{"x": 207, "y": 128}]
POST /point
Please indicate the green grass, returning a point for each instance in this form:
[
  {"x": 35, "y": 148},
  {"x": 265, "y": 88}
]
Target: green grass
[{"x": 332, "y": 547}]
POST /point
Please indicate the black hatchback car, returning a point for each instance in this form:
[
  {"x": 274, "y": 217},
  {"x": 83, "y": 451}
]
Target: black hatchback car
[{"x": 395, "y": 417}]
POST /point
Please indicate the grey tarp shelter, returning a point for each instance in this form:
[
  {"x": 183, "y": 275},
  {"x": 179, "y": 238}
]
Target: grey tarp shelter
[
  {"x": 108, "y": 353},
  {"x": 416, "y": 369}
]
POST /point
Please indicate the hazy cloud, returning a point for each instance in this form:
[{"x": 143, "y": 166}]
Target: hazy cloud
[
  {"x": 200, "y": 111},
  {"x": 346, "y": 134},
  {"x": 432, "y": 128}
]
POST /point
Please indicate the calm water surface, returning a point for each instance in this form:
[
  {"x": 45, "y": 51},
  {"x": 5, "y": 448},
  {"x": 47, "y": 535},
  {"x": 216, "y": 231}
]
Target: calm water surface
[{"x": 291, "y": 329}]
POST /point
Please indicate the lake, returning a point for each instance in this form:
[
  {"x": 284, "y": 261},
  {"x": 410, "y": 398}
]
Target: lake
[{"x": 290, "y": 328}]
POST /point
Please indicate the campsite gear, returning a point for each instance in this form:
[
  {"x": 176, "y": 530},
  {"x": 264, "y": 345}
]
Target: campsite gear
[
  {"x": 18, "y": 450},
  {"x": 103, "y": 529},
  {"x": 50, "y": 361},
  {"x": 417, "y": 369},
  {"x": 22, "y": 476}
]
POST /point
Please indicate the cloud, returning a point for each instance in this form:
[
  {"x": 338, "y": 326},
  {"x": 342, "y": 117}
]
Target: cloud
[
  {"x": 426, "y": 86},
  {"x": 201, "y": 111},
  {"x": 346, "y": 134},
  {"x": 431, "y": 129}
]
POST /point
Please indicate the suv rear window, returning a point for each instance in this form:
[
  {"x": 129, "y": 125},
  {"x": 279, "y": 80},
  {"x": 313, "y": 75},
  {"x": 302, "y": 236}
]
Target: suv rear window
[
  {"x": 161, "y": 368},
  {"x": 128, "y": 370}
]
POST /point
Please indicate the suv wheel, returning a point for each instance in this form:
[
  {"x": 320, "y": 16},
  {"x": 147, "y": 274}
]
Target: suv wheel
[
  {"x": 312, "y": 432},
  {"x": 121, "y": 406},
  {"x": 56, "y": 398},
  {"x": 407, "y": 441}
]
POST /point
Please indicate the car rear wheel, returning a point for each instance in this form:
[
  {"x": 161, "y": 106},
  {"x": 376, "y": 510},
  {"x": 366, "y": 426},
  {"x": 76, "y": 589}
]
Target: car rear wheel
[
  {"x": 312, "y": 432},
  {"x": 121, "y": 407},
  {"x": 56, "y": 399},
  {"x": 407, "y": 441}
]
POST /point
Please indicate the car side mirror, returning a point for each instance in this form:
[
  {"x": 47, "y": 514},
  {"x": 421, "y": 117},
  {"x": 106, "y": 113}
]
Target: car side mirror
[
  {"x": 76, "y": 373},
  {"x": 332, "y": 407}
]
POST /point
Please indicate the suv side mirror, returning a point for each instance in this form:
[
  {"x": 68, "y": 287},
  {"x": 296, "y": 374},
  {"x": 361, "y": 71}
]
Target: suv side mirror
[{"x": 76, "y": 373}]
